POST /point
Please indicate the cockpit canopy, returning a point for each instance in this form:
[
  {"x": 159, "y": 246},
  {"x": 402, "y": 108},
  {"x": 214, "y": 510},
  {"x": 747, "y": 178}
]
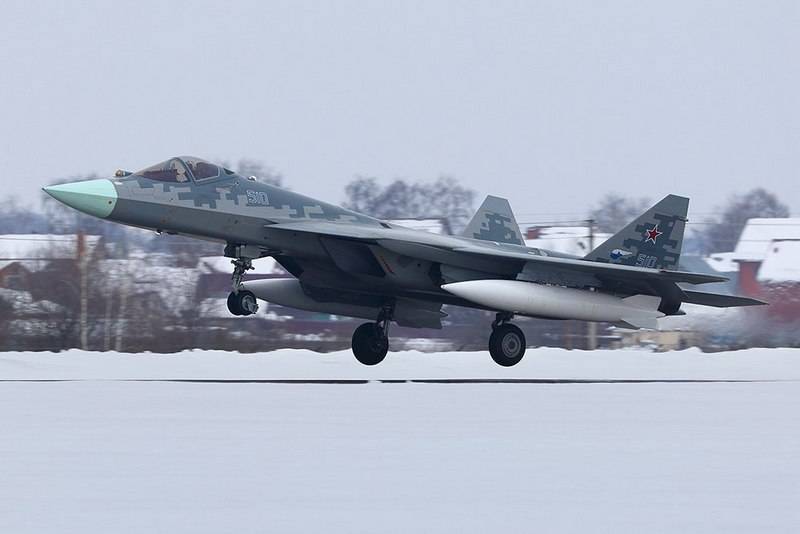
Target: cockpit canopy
[{"x": 183, "y": 169}]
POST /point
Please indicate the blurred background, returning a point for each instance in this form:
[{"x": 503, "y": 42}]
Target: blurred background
[{"x": 582, "y": 114}]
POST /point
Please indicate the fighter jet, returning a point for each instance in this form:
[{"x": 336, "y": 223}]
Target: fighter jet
[{"x": 350, "y": 264}]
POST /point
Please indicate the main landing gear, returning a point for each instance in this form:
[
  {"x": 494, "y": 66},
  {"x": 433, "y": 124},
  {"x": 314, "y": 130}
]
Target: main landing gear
[
  {"x": 507, "y": 342},
  {"x": 241, "y": 301},
  {"x": 371, "y": 340}
]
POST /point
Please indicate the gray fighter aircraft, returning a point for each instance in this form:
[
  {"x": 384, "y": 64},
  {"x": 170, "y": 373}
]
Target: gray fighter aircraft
[{"x": 346, "y": 263}]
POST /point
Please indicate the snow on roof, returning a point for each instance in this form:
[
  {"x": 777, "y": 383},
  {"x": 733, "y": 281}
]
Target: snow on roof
[
  {"x": 572, "y": 240},
  {"x": 722, "y": 262},
  {"x": 43, "y": 246},
  {"x": 435, "y": 226},
  {"x": 759, "y": 233},
  {"x": 22, "y": 303},
  {"x": 221, "y": 264},
  {"x": 782, "y": 262}
]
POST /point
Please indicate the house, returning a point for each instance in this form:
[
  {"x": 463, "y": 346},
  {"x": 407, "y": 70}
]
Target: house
[
  {"x": 755, "y": 244},
  {"x": 778, "y": 278},
  {"x": 781, "y": 263},
  {"x": 22, "y": 255}
]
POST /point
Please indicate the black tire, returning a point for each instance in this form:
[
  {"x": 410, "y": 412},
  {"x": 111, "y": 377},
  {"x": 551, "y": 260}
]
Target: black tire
[
  {"x": 242, "y": 303},
  {"x": 233, "y": 304},
  {"x": 507, "y": 345},
  {"x": 369, "y": 344}
]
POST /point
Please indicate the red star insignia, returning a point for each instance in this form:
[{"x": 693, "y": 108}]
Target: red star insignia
[{"x": 652, "y": 234}]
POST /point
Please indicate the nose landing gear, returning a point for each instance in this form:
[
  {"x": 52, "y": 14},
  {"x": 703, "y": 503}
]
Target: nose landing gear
[
  {"x": 507, "y": 342},
  {"x": 241, "y": 301}
]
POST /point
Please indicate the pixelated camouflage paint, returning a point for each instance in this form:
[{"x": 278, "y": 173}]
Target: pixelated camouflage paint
[
  {"x": 664, "y": 253},
  {"x": 229, "y": 195},
  {"x": 494, "y": 221},
  {"x": 497, "y": 228},
  {"x": 669, "y": 216}
]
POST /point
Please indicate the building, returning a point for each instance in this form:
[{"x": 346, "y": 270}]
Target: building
[
  {"x": 22, "y": 254},
  {"x": 754, "y": 246},
  {"x": 31, "y": 262},
  {"x": 778, "y": 279}
]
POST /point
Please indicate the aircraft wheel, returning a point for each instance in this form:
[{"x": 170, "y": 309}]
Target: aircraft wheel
[
  {"x": 370, "y": 345},
  {"x": 507, "y": 345},
  {"x": 242, "y": 303},
  {"x": 233, "y": 304}
]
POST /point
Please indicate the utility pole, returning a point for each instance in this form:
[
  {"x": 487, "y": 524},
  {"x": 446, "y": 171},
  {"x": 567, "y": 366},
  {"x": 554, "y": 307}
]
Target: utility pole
[
  {"x": 122, "y": 312},
  {"x": 84, "y": 305},
  {"x": 591, "y": 338},
  {"x": 107, "y": 321}
]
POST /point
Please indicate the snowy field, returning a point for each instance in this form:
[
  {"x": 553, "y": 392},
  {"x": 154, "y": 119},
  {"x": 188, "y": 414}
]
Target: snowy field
[{"x": 622, "y": 441}]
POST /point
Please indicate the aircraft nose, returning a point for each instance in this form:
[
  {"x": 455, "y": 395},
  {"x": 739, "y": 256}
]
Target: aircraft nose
[{"x": 95, "y": 197}]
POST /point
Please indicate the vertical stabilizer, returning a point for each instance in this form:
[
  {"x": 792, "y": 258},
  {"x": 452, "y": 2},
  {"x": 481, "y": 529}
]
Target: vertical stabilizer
[
  {"x": 494, "y": 221},
  {"x": 653, "y": 240}
]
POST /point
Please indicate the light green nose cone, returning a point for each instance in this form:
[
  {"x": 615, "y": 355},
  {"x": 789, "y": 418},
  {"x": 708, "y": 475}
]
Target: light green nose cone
[{"x": 95, "y": 197}]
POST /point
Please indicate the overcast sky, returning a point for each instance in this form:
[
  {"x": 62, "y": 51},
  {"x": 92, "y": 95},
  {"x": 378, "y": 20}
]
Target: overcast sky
[{"x": 548, "y": 103}]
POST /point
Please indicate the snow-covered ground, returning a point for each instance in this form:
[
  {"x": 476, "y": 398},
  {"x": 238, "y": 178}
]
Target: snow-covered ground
[{"x": 103, "y": 453}]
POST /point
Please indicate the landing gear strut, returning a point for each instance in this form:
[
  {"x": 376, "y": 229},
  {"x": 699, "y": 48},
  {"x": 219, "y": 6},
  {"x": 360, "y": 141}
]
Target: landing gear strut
[
  {"x": 371, "y": 340},
  {"x": 507, "y": 342},
  {"x": 240, "y": 268},
  {"x": 241, "y": 301}
]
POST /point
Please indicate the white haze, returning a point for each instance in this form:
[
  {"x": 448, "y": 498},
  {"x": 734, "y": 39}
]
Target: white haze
[{"x": 548, "y": 103}]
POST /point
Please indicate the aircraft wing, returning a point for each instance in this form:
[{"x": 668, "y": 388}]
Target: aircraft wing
[{"x": 491, "y": 257}]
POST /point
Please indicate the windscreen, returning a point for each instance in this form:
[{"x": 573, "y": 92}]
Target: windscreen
[
  {"x": 172, "y": 170},
  {"x": 201, "y": 169}
]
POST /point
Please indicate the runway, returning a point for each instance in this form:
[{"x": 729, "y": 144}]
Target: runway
[
  {"x": 102, "y": 450},
  {"x": 399, "y": 381}
]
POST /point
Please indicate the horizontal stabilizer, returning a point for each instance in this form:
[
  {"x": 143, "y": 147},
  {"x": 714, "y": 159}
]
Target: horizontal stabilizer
[{"x": 720, "y": 301}]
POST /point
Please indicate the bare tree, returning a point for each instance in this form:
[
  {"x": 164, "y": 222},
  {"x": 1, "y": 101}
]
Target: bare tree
[
  {"x": 264, "y": 173},
  {"x": 614, "y": 211},
  {"x": 17, "y": 218},
  {"x": 723, "y": 233},
  {"x": 444, "y": 198},
  {"x": 6, "y": 316},
  {"x": 447, "y": 196},
  {"x": 363, "y": 195}
]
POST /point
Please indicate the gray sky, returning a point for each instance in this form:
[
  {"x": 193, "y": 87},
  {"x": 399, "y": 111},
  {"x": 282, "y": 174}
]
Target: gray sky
[{"x": 548, "y": 103}]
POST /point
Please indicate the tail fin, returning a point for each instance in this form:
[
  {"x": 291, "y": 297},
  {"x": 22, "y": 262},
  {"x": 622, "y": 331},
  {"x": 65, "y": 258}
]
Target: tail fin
[
  {"x": 494, "y": 221},
  {"x": 653, "y": 240}
]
